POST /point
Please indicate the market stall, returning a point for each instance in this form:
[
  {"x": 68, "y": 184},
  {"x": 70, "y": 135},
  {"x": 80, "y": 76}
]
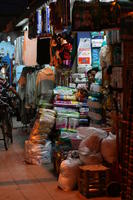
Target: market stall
[{"x": 72, "y": 86}]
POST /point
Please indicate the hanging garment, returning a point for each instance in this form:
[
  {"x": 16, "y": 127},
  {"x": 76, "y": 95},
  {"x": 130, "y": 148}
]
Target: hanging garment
[
  {"x": 19, "y": 69},
  {"x": 43, "y": 51},
  {"x": 31, "y": 89},
  {"x": 7, "y": 48},
  {"x": 45, "y": 83},
  {"x": 29, "y": 50},
  {"x": 19, "y": 50},
  {"x": 65, "y": 54},
  {"x": 32, "y": 25}
]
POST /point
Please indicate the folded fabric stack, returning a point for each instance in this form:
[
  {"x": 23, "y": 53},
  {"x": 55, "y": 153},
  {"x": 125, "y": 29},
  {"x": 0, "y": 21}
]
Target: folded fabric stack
[
  {"x": 95, "y": 109},
  {"x": 67, "y": 107},
  {"x": 38, "y": 148},
  {"x": 80, "y": 79}
]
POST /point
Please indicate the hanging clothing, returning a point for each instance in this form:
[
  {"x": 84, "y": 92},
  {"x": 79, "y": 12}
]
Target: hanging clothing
[
  {"x": 19, "y": 69},
  {"x": 31, "y": 89},
  {"x": 6, "y": 48},
  {"x": 65, "y": 54},
  {"x": 45, "y": 84},
  {"x": 43, "y": 51},
  {"x": 32, "y": 25},
  {"x": 19, "y": 50},
  {"x": 29, "y": 50}
]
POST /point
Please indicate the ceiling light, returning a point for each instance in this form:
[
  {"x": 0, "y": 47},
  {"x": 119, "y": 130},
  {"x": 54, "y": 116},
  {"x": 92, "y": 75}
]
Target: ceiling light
[{"x": 21, "y": 23}]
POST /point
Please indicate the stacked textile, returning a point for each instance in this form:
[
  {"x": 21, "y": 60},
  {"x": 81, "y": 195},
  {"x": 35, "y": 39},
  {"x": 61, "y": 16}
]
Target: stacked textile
[
  {"x": 38, "y": 148},
  {"x": 80, "y": 79},
  {"x": 66, "y": 106},
  {"x": 95, "y": 101},
  {"x": 71, "y": 103},
  {"x": 95, "y": 110}
]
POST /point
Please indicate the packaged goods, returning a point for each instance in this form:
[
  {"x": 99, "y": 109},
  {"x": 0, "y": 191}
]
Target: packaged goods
[
  {"x": 39, "y": 139},
  {"x": 47, "y": 111},
  {"x": 64, "y": 90},
  {"x": 61, "y": 122},
  {"x": 38, "y": 153},
  {"x": 73, "y": 123},
  {"x": 65, "y": 97},
  {"x": 68, "y": 133},
  {"x": 67, "y": 103}
]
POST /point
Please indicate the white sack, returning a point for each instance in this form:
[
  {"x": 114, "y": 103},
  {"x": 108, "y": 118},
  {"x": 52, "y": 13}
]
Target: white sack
[
  {"x": 83, "y": 132},
  {"x": 69, "y": 170},
  {"x": 90, "y": 158},
  {"x": 108, "y": 148}
]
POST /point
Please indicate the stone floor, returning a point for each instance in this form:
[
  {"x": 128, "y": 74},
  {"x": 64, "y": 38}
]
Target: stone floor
[{"x": 19, "y": 181}]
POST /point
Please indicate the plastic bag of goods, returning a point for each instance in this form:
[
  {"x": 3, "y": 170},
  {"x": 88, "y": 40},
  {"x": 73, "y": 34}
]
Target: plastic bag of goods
[
  {"x": 40, "y": 128},
  {"x": 47, "y": 111},
  {"x": 83, "y": 132},
  {"x": 73, "y": 123},
  {"x": 47, "y": 121},
  {"x": 88, "y": 157},
  {"x": 108, "y": 148},
  {"x": 35, "y": 129},
  {"x": 38, "y": 153},
  {"x": 39, "y": 139},
  {"x": 61, "y": 122},
  {"x": 69, "y": 171}
]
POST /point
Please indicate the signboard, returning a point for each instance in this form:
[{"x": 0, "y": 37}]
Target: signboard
[
  {"x": 97, "y": 43},
  {"x": 84, "y": 52}
]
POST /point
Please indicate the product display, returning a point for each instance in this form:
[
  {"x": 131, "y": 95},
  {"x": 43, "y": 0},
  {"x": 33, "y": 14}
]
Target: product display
[{"x": 68, "y": 109}]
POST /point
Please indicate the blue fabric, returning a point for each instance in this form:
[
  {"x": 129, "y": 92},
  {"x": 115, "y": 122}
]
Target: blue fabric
[
  {"x": 7, "y": 48},
  {"x": 18, "y": 73}
]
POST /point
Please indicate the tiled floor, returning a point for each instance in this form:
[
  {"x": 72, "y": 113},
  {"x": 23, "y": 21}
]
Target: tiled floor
[{"x": 19, "y": 181}]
